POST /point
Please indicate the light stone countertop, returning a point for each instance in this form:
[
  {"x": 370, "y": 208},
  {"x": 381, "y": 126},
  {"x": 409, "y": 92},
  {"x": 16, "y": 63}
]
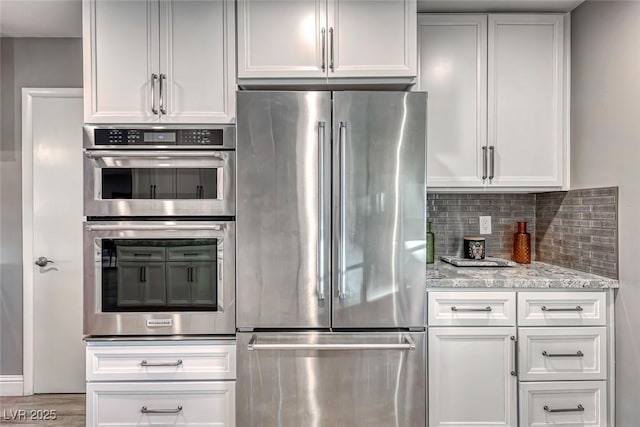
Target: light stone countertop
[{"x": 534, "y": 275}]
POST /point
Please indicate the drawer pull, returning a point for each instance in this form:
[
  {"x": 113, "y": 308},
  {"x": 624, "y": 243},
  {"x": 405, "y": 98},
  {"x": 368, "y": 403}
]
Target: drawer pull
[
  {"x": 176, "y": 363},
  {"x": 487, "y": 308},
  {"x": 576, "y": 308},
  {"x": 580, "y": 408},
  {"x": 578, "y": 354},
  {"x": 146, "y": 410}
]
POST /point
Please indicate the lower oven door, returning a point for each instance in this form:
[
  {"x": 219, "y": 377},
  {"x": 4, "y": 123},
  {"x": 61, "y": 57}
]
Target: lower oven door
[
  {"x": 331, "y": 379},
  {"x": 159, "y": 183},
  {"x": 159, "y": 278}
]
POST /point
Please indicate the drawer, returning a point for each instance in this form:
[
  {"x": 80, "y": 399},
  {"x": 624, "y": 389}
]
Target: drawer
[
  {"x": 567, "y": 404},
  {"x": 562, "y": 354},
  {"x": 192, "y": 253},
  {"x": 562, "y": 308},
  {"x": 160, "y": 361},
  {"x": 174, "y": 404},
  {"x": 472, "y": 308},
  {"x": 140, "y": 253}
]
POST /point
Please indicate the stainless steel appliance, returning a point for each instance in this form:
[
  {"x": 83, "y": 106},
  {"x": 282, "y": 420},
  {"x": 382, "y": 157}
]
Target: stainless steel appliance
[
  {"x": 331, "y": 255},
  {"x": 149, "y": 171},
  {"x": 159, "y": 277}
]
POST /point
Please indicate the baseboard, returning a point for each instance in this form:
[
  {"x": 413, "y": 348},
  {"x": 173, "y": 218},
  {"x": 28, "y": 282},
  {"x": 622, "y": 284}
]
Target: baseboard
[{"x": 11, "y": 385}]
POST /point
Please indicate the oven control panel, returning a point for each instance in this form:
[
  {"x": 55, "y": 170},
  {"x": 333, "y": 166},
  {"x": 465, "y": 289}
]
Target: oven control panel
[{"x": 158, "y": 137}]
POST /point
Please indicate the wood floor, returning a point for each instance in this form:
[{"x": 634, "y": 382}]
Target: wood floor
[{"x": 30, "y": 410}]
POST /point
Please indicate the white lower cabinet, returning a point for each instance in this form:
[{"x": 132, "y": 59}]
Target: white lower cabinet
[
  {"x": 567, "y": 404},
  {"x": 471, "y": 377}
]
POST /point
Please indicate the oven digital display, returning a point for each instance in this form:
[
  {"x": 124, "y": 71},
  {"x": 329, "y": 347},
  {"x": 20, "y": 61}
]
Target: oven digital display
[{"x": 160, "y": 137}]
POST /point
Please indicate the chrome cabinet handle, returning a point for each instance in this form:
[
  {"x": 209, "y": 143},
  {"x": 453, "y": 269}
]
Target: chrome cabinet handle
[
  {"x": 487, "y": 308},
  {"x": 331, "y": 67},
  {"x": 484, "y": 163},
  {"x": 514, "y": 340},
  {"x": 579, "y": 408},
  {"x": 577, "y": 354},
  {"x": 492, "y": 155},
  {"x": 576, "y": 308},
  {"x": 407, "y": 344},
  {"x": 342, "y": 262},
  {"x": 163, "y": 110},
  {"x": 147, "y": 364},
  {"x": 143, "y": 274},
  {"x": 323, "y": 33},
  {"x": 321, "y": 224},
  {"x": 154, "y": 77},
  {"x": 43, "y": 261},
  {"x": 146, "y": 410}
]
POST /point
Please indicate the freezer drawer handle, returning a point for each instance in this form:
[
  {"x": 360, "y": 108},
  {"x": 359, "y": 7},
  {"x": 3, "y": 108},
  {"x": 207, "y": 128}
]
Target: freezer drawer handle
[
  {"x": 146, "y": 410},
  {"x": 407, "y": 344},
  {"x": 578, "y": 354},
  {"x": 176, "y": 363},
  {"x": 576, "y": 308},
  {"x": 487, "y": 308},
  {"x": 580, "y": 408}
]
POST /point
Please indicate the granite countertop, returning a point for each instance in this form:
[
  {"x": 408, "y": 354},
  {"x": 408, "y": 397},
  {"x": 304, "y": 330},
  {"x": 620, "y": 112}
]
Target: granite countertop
[{"x": 534, "y": 275}]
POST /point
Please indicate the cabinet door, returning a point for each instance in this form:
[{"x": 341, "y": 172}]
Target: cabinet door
[
  {"x": 191, "y": 284},
  {"x": 188, "y": 183},
  {"x": 197, "y": 61},
  {"x": 452, "y": 57},
  {"x": 141, "y": 284},
  {"x": 526, "y": 102},
  {"x": 121, "y": 52},
  {"x": 282, "y": 38},
  {"x": 372, "y": 38},
  {"x": 164, "y": 184},
  {"x": 470, "y": 377}
]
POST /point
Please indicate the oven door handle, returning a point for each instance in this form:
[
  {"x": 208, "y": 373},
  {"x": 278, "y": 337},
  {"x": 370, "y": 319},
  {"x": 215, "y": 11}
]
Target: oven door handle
[
  {"x": 407, "y": 344},
  {"x": 153, "y": 227},
  {"x": 102, "y": 154}
]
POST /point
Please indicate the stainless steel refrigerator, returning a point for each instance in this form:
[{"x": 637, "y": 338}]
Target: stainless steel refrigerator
[{"x": 331, "y": 259}]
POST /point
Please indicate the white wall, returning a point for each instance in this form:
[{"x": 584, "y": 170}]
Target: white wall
[
  {"x": 605, "y": 150},
  {"x": 26, "y": 62}
]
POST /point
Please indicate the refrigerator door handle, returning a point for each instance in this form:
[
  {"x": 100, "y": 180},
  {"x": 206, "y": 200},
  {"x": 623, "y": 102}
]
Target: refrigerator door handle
[
  {"x": 342, "y": 260},
  {"x": 321, "y": 224},
  {"x": 406, "y": 344}
]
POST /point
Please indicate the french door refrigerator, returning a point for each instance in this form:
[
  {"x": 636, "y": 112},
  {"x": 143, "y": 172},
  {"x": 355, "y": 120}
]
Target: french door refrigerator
[{"x": 331, "y": 259}]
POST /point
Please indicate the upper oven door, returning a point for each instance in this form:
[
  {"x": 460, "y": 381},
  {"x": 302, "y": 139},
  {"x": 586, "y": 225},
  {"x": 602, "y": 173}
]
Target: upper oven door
[
  {"x": 159, "y": 278},
  {"x": 159, "y": 183}
]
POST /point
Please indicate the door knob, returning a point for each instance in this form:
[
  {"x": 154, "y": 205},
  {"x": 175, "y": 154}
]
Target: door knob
[{"x": 43, "y": 261}]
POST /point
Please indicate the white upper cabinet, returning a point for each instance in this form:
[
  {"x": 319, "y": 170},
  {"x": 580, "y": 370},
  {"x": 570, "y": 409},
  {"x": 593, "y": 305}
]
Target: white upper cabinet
[
  {"x": 149, "y": 61},
  {"x": 319, "y": 39},
  {"x": 372, "y": 38},
  {"x": 526, "y": 102},
  {"x": 453, "y": 70}
]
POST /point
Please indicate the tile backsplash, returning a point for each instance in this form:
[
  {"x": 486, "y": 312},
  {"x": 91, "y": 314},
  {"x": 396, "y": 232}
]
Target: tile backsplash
[{"x": 575, "y": 229}]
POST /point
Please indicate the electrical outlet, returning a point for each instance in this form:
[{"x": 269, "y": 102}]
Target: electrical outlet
[{"x": 485, "y": 225}]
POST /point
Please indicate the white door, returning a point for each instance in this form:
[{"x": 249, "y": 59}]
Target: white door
[
  {"x": 470, "y": 377},
  {"x": 282, "y": 38},
  {"x": 452, "y": 51},
  {"x": 372, "y": 38},
  {"x": 526, "y": 86},
  {"x": 198, "y": 61},
  {"x": 54, "y": 124},
  {"x": 121, "y": 45}
]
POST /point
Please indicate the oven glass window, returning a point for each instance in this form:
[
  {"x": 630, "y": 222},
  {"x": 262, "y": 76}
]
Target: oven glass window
[
  {"x": 159, "y": 275},
  {"x": 159, "y": 183}
]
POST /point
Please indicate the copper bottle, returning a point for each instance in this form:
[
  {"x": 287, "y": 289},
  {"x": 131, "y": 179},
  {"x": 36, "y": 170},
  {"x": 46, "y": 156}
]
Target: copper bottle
[{"x": 522, "y": 244}]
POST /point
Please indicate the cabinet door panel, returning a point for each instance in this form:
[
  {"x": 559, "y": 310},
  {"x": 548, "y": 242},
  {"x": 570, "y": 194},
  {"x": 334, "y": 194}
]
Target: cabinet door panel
[
  {"x": 373, "y": 38},
  {"x": 141, "y": 284},
  {"x": 453, "y": 71},
  {"x": 203, "y": 286},
  {"x": 198, "y": 59},
  {"x": 281, "y": 38},
  {"x": 121, "y": 51},
  {"x": 178, "y": 291},
  {"x": 526, "y": 86},
  {"x": 470, "y": 381}
]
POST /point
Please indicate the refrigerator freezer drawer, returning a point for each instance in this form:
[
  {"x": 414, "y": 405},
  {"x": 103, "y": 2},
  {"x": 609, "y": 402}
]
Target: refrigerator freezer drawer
[{"x": 331, "y": 379}]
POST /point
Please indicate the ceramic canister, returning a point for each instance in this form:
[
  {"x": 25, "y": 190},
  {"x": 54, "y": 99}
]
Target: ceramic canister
[{"x": 474, "y": 247}]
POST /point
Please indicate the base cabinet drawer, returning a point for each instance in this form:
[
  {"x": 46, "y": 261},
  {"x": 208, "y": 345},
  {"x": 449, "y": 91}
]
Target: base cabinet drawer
[
  {"x": 161, "y": 361},
  {"x": 566, "y": 404},
  {"x": 562, "y": 308},
  {"x": 472, "y": 308},
  {"x": 194, "y": 404},
  {"x": 552, "y": 354}
]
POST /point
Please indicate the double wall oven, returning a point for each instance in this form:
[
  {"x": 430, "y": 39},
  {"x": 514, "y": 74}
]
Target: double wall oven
[{"x": 159, "y": 240}]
